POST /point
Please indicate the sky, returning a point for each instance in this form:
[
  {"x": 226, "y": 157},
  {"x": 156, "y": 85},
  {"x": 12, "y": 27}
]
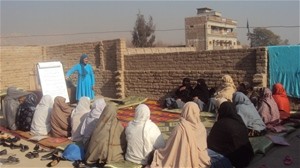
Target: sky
[{"x": 62, "y": 22}]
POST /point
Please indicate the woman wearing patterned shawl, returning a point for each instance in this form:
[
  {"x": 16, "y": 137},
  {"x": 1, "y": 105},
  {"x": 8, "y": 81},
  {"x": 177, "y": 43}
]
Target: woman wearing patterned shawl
[
  {"x": 282, "y": 101},
  {"x": 143, "y": 136},
  {"x": 10, "y": 106},
  {"x": 186, "y": 146},
  {"x": 78, "y": 116},
  {"x": 249, "y": 114},
  {"x": 91, "y": 119},
  {"x": 229, "y": 137},
  {"x": 85, "y": 78},
  {"x": 60, "y": 118},
  {"x": 227, "y": 88},
  {"x": 108, "y": 141},
  {"x": 25, "y": 112},
  {"x": 41, "y": 120},
  {"x": 268, "y": 109}
]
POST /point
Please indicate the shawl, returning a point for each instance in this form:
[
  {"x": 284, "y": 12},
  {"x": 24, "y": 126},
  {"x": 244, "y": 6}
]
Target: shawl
[
  {"x": 25, "y": 112},
  {"x": 227, "y": 88},
  {"x": 248, "y": 112},
  {"x": 143, "y": 136},
  {"x": 186, "y": 146},
  {"x": 78, "y": 116},
  {"x": 92, "y": 118},
  {"x": 60, "y": 118},
  {"x": 281, "y": 100},
  {"x": 41, "y": 119},
  {"x": 108, "y": 142},
  {"x": 82, "y": 64},
  {"x": 229, "y": 137},
  {"x": 268, "y": 109},
  {"x": 10, "y": 106}
]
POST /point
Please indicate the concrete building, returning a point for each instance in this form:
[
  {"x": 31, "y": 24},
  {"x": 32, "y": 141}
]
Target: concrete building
[{"x": 210, "y": 31}]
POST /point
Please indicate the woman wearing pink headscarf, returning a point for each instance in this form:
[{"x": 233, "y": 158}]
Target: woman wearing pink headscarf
[
  {"x": 282, "y": 101},
  {"x": 268, "y": 109},
  {"x": 186, "y": 146}
]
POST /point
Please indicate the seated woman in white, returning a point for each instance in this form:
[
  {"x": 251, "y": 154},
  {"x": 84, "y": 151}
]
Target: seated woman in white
[
  {"x": 143, "y": 136},
  {"x": 41, "y": 119}
]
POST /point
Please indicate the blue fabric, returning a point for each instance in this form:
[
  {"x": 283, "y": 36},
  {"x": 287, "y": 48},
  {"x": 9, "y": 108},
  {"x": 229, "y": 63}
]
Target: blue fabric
[
  {"x": 73, "y": 152},
  {"x": 217, "y": 160},
  {"x": 84, "y": 83},
  {"x": 284, "y": 68}
]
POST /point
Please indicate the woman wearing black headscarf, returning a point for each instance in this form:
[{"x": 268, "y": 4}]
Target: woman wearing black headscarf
[{"x": 229, "y": 137}]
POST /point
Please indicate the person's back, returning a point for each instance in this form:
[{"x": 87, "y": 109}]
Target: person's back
[
  {"x": 186, "y": 146},
  {"x": 60, "y": 118},
  {"x": 10, "y": 106},
  {"x": 143, "y": 136},
  {"x": 249, "y": 114},
  {"x": 282, "y": 101},
  {"x": 229, "y": 136},
  {"x": 26, "y": 112}
]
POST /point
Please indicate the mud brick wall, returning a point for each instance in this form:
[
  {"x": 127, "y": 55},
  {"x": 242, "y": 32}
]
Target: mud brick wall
[
  {"x": 159, "y": 74},
  {"x": 18, "y": 64}
]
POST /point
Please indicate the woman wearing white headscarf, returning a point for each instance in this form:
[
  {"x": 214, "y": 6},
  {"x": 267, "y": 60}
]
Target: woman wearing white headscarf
[
  {"x": 41, "y": 119},
  {"x": 78, "y": 116},
  {"x": 92, "y": 118},
  {"x": 143, "y": 136},
  {"x": 186, "y": 146}
]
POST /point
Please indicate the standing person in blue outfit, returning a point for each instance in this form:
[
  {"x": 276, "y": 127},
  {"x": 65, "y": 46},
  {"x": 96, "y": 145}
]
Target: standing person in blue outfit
[{"x": 85, "y": 79}]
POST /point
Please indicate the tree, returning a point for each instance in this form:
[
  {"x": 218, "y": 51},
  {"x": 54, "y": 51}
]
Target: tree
[
  {"x": 264, "y": 37},
  {"x": 143, "y": 32}
]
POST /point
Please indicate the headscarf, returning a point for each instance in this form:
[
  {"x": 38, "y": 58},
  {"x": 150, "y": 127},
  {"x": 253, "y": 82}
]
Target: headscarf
[
  {"x": 92, "y": 118},
  {"x": 10, "y": 106},
  {"x": 78, "y": 116},
  {"x": 227, "y": 88},
  {"x": 281, "y": 100},
  {"x": 186, "y": 146},
  {"x": 248, "y": 112},
  {"x": 41, "y": 120},
  {"x": 82, "y": 64},
  {"x": 142, "y": 136},
  {"x": 229, "y": 137},
  {"x": 108, "y": 142},
  {"x": 60, "y": 118},
  {"x": 268, "y": 109}
]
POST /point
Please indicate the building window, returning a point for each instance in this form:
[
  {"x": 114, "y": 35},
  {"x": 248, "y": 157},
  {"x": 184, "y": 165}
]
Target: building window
[
  {"x": 209, "y": 42},
  {"x": 191, "y": 26}
]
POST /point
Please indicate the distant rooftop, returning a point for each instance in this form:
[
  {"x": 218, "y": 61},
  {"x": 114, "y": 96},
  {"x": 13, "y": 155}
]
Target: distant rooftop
[{"x": 207, "y": 12}]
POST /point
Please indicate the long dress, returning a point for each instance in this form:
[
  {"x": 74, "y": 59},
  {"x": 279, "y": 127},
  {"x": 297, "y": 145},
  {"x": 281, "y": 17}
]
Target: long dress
[{"x": 84, "y": 82}]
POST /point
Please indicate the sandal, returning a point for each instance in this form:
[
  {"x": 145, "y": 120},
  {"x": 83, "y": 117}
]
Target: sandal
[
  {"x": 24, "y": 148},
  {"x": 54, "y": 162},
  {"x": 31, "y": 155},
  {"x": 37, "y": 147},
  {"x": 3, "y": 152},
  {"x": 287, "y": 160},
  {"x": 10, "y": 161}
]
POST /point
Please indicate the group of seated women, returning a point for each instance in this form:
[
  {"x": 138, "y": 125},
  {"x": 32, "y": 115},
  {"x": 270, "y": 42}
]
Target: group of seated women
[{"x": 107, "y": 141}]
